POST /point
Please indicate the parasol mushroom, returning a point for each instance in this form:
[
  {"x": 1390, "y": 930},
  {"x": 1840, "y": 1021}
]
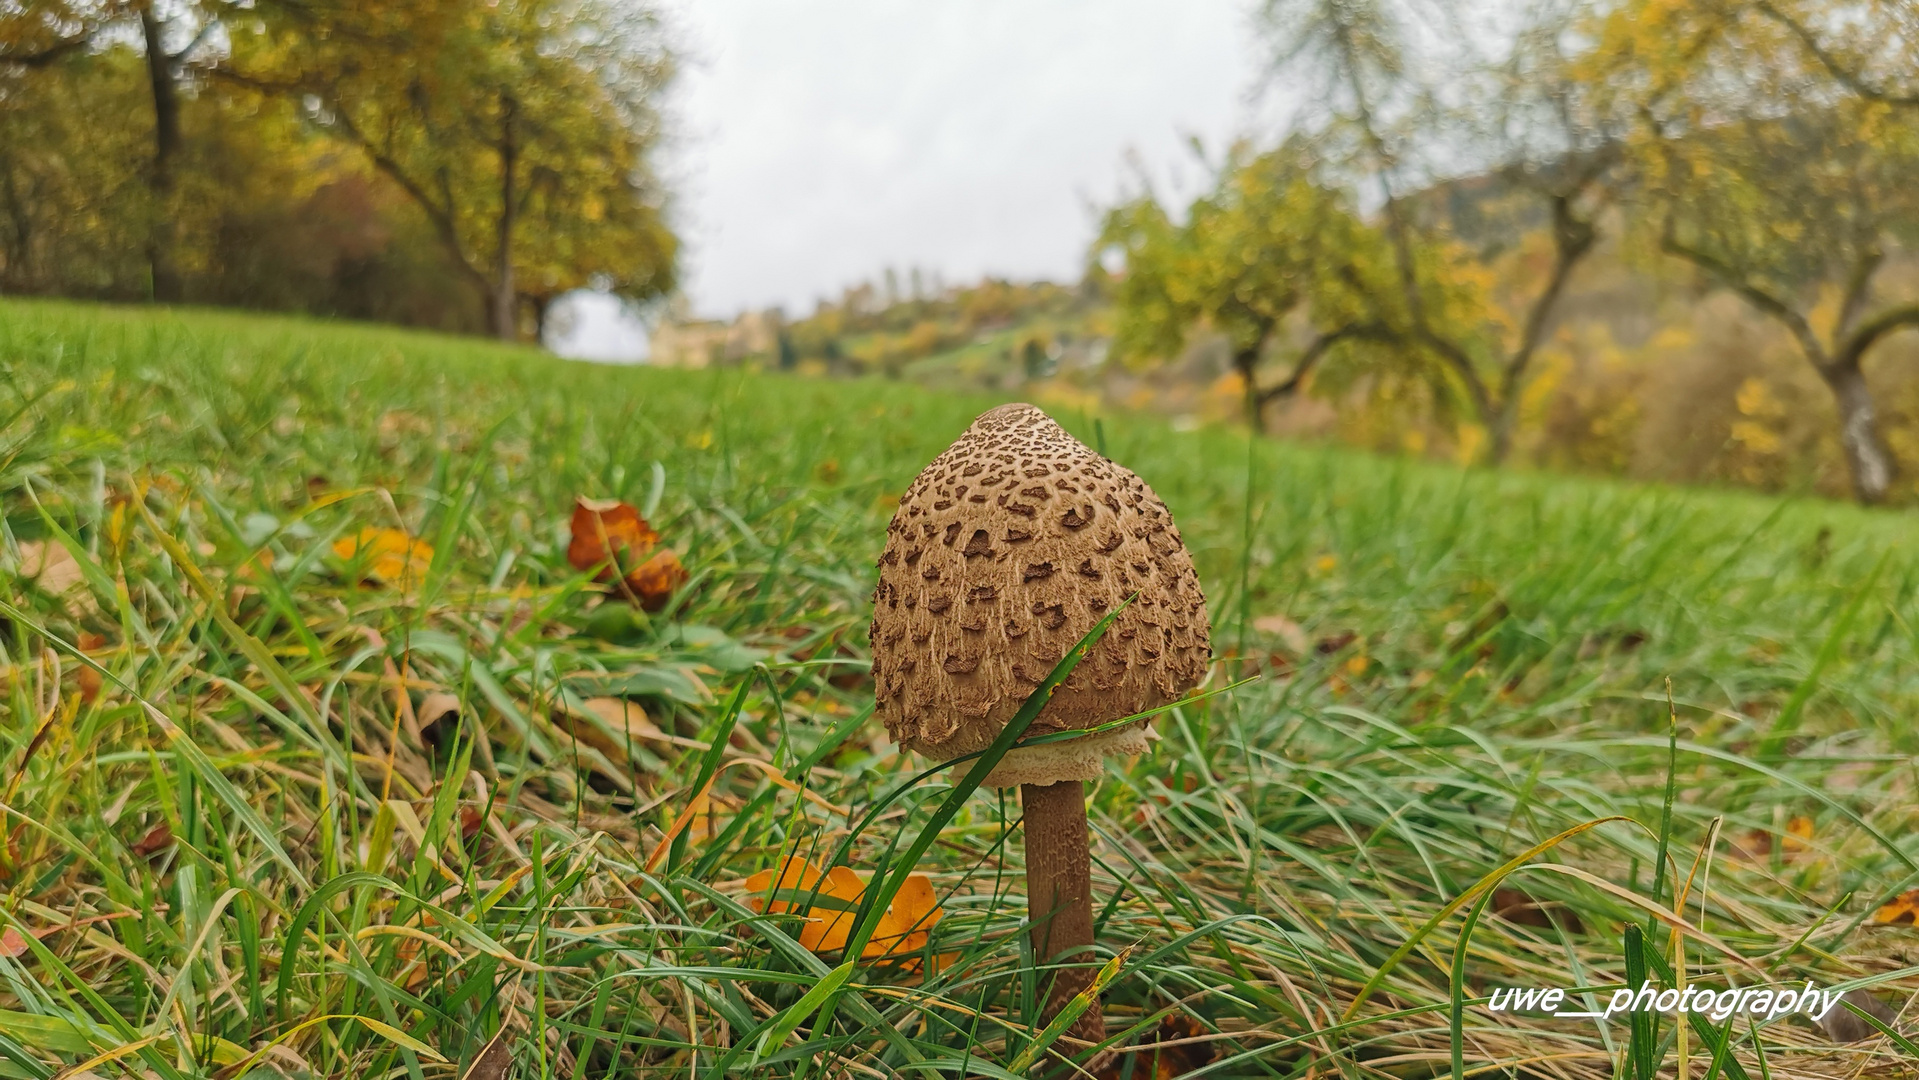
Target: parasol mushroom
[{"x": 1004, "y": 553}]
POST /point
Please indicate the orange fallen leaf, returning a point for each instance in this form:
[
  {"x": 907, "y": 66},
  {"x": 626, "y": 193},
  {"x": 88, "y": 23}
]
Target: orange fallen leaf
[
  {"x": 1756, "y": 845},
  {"x": 259, "y": 565},
  {"x": 12, "y": 944},
  {"x": 610, "y": 537},
  {"x": 655, "y": 580},
  {"x": 1798, "y": 835},
  {"x": 903, "y": 929},
  {"x": 1901, "y": 910},
  {"x": 391, "y": 557},
  {"x": 608, "y": 533},
  {"x": 90, "y": 684}
]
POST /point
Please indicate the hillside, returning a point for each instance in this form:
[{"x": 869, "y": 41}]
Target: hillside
[{"x": 279, "y": 797}]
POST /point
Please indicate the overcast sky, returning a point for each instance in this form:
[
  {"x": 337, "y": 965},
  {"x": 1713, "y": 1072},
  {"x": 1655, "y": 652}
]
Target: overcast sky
[
  {"x": 819, "y": 142},
  {"x": 822, "y": 141}
]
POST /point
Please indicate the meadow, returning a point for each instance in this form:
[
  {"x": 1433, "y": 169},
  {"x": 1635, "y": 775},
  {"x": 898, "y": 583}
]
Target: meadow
[{"x": 268, "y": 812}]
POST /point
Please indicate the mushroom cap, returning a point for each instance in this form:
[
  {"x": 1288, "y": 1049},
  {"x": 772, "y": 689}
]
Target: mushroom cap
[{"x": 1005, "y": 551}]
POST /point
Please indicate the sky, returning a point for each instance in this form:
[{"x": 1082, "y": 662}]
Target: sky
[{"x": 819, "y": 142}]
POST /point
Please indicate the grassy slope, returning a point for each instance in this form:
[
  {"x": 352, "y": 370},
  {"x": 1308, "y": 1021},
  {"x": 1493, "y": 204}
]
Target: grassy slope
[{"x": 1505, "y": 683}]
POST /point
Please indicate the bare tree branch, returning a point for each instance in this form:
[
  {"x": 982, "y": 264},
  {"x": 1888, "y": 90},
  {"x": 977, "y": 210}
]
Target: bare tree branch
[
  {"x": 1846, "y": 76},
  {"x": 1752, "y": 293},
  {"x": 48, "y": 54},
  {"x": 1309, "y": 360},
  {"x": 1853, "y": 351}
]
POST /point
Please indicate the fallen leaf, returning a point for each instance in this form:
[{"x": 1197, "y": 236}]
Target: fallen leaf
[
  {"x": 495, "y": 1059},
  {"x": 626, "y": 724},
  {"x": 1844, "y": 1025},
  {"x": 608, "y": 533},
  {"x": 1756, "y": 844},
  {"x": 90, "y": 683},
  {"x": 1181, "y": 1045},
  {"x": 1798, "y": 836},
  {"x": 909, "y": 918},
  {"x": 1330, "y": 645},
  {"x": 1901, "y": 910},
  {"x": 50, "y": 565},
  {"x": 1289, "y": 633},
  {"x": 157, "y": 839},
  {"x": 470, "y": 821},
  {"x": 903, "y": 929},
  {"x": 655, "y": 580},
  {"x": 12, "y": 944},
  {"x": 259, "y": 565},
  {"x": 391, "y": 557},
  {"x": 1518, "y": 907}
]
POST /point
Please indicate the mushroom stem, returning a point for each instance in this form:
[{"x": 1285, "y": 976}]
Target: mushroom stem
[{"x": 1059, "y": 896}]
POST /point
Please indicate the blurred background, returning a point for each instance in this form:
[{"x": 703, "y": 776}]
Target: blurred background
[{"x": 1666, "y": 239}]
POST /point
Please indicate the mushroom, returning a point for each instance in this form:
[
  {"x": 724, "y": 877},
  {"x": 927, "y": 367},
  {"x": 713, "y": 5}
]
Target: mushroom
[{"x": 1004, "y": 552}]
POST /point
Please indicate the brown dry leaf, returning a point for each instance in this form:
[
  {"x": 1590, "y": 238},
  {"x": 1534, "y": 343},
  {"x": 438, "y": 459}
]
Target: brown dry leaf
[
  {"x": 470, "y": 821},
  {"x": 1330, "y": 645},
  {"x": 608, "y": 533},
  {"x": 1756, "y": 844},
  {"x": 12, "y": 944},
  {"x": 495, "y": 1059},
  {"x": 625, "y": 724},
  {"x": 1289, "y": 633},
  {"x": 157, "y": 839},
  {"x": 1162, "y": 1062},
  {"x": 391, "y": 556},
  {"x": 1518, "y": 907},
  {"x": 50, "y": 565},
  {"x": 436, "y": 706},
  {"x": 1901, "y": 910},
  {"x": 655, "y": 580}
]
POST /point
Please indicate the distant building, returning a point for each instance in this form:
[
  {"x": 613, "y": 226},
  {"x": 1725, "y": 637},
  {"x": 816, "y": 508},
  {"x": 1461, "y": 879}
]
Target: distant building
[{"x": 698, "y": 343}]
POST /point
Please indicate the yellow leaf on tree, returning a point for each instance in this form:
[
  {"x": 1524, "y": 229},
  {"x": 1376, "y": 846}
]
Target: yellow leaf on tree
[{"x": 390, "y": 556}]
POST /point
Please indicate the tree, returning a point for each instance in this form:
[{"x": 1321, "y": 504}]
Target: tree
[
  {"x": 1523, "y": 122},
  {"x": 1267, "y": 246},
  {"x": 37, "y": 34},
  {"x": 521, "y": 129},
  {"x": 1778, "y": 184}
]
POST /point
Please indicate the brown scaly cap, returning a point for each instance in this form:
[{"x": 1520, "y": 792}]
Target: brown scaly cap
[{"x": 1003, "y": 554}]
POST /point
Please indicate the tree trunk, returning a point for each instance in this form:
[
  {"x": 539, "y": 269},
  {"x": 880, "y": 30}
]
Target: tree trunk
[
  {"x": 1059, "y": 898},
  {"x": 1246, "y": 362},
  {"x": 1867, "y": 458},
  {"x": 506, "y": 308},
  {"x": 162, "y": 236}
]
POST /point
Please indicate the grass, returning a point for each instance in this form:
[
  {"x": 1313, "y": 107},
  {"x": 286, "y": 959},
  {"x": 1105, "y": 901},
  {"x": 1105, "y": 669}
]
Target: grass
[{"x": 246, "y": 834}]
